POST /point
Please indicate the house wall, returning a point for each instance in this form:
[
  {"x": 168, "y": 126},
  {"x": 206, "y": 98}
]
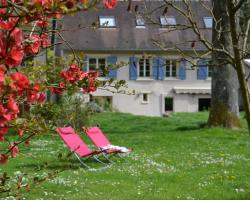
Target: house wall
[{"x": 157, "y": 91}]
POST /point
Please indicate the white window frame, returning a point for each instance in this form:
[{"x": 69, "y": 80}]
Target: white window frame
[
  {"x": 105, "y": 24},
  {"x": 140, "y": 25},
  {"x": 167, "y": 21},
  {"x": 171, "y": 69},
  {"x": 97, "y": 63},
  {"x": 144, "y": 68},
  {"x": 208, "y": 24},
  {"x": 147, "y": 98}
]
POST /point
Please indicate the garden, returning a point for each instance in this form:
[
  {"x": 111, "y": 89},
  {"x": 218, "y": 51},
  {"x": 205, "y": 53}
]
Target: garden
[
  {"x": 173, "y": 158},
  {"x": 180, "y": 156}
]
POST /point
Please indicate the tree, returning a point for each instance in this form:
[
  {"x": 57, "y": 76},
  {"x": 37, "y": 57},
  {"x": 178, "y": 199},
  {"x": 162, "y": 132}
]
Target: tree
[
  {"x": 228, "y": 48},
  {"x": 25, "y": 31},
  {"x": 224, "y": 105}
]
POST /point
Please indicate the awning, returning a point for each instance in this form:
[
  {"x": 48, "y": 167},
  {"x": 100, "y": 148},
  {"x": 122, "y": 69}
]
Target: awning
[{"x": 192, "y": 90}]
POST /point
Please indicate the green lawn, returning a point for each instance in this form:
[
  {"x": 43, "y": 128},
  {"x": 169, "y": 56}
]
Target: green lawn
[{"x": 173, "y": 158}]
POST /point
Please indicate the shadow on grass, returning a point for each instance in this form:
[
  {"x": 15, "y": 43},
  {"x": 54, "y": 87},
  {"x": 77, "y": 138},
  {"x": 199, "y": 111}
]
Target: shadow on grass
[
  {"x": 191, "y": 127},
  {"x": 62, "y": 165}
]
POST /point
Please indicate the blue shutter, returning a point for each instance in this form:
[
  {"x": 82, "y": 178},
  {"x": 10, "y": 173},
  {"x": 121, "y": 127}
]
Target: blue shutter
[
  {"x": 155, "y": 68},
  {"x": 132, "y": 68},
  {"x": 202, "y": 69},
  {"x": 111, "y": 60},
  {"x": 161, "y": 68},
  {"x": 182, "y": 70}
]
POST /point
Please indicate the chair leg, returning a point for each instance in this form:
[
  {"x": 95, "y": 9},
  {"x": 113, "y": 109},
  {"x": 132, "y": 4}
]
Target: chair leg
[
  {"x": 85, "y": 165},
  {"x": 98, "y": 160},
  {"x": 122, "y": 157},
  {"x": 105, "y": 156}
]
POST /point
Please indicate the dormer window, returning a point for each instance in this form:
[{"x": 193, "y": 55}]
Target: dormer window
[
  {"x": 168, "y": 21},
  {"x": 140, "y": 23},
  {"x": 208, "y": 22},
  {"x": 107, "y": 21}
]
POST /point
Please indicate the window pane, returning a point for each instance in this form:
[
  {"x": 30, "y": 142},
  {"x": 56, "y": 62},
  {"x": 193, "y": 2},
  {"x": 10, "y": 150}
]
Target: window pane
[
  {"x": 167, "y": 68},
  {"x": 107, "y": 21},
  {"x": 147, "y": 67},
  {"x": 174, "y": 68},
  {"x": 92, "y": 64},
  {"x": 208, "y": 21},
  {"x": 101, "y": 66},
  {"x": 141, "y": 67},
  {"x": 210, "y": 68},
  {"x": 167, "y": 21},
  {"x": 101, "y": 63},
  {"x": 209, "y": 71}
]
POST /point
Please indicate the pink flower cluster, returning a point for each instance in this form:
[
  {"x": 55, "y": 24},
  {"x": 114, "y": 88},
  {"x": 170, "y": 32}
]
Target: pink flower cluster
[
  {"x": 17, "y": 44},
  {"x": 16, "y": 87},
  {"x": 73, "y": 75}
]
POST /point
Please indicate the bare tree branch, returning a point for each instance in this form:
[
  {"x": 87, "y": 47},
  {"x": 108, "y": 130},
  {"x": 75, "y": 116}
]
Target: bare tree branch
[{"x": 238, "y": 5}]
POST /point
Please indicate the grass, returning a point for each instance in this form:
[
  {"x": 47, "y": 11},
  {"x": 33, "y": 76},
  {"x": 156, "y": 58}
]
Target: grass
[{"x": 173, "y": 158}]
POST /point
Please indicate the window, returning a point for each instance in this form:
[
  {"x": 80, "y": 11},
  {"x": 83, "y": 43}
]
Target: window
[
  {"x": 97, "y": 64},
  {"x": 107, "y": 21},
  {"x": 140, "y": 21},
  {"x": 209, "y": 71},
  {"x": 171, "y": 68},
  {"x": 167, "y": 21},
  {"x": 204, "y": 104},
  {"x": 144, "y": 67},
  {"x": 208, "y": 22},
  {"x": 169, "y": 104},
  {"x": 145, "y": 98}
]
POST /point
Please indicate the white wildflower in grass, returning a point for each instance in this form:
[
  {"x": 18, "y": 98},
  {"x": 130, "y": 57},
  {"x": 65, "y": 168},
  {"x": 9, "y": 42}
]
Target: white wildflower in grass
[
  {"x": 61, "y": 181},
  {"x": 239, "y": 190},
  {"x": 18, "y": 173},
  {"x": 10, "y": 198},
  {"x": 204, "y": 184},
  {"x": 190, "y": 198},
  {"x": 42, "y": 143}
]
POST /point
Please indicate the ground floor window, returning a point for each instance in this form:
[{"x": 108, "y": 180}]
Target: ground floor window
[
  {"x": 204, "y": 104},
  {"x": 145, "y": 98},
  {"x": 169, "y": 105}
]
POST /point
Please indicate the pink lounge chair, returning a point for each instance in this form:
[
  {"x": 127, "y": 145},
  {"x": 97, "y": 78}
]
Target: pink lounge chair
[
  {"x": 102, "y": 143},
  {"x": 76, "y": 145}
]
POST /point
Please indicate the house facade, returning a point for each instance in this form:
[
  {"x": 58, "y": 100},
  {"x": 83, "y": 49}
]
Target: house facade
[{"x": 160, "y": 64}]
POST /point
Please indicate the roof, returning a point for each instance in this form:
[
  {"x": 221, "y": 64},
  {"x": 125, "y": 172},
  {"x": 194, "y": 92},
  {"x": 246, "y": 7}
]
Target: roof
[{"x": 126, "y": 37}]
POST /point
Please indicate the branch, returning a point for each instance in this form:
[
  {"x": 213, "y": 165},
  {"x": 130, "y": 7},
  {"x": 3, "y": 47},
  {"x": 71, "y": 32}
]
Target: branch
[
  {"x": 238, "y": 5},
  {"x": 245, "y": 36}
]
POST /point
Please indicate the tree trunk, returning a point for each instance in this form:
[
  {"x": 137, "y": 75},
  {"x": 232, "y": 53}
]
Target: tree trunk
[
  {"x": 225, "y": 88},
  {"x": 238, "y": 62}
]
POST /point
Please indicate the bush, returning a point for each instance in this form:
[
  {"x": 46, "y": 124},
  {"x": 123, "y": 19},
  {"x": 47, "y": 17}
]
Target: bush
[{"x": 69, "y": 110}]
